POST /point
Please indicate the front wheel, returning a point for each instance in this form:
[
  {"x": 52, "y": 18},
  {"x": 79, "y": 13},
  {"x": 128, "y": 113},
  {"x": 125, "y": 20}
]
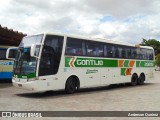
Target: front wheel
[{"x": 71, "y": 85}]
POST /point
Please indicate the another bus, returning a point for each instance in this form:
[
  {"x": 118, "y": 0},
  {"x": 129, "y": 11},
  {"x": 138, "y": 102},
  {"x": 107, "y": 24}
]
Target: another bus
[
  {"x": 6, "y": 66},
  {"x": 47, "y": 62}
]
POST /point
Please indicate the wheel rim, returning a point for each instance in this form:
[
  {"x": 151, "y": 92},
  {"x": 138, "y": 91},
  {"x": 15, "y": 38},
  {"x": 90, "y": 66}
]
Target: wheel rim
[
  {"x": 72, "y": 85},
  {"x": 134, "y": 80},
  {"x": 142, "y": 78}
]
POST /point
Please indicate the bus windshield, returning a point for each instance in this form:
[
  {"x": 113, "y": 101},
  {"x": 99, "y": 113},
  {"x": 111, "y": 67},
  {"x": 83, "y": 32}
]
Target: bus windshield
[
  {"x": 28, "y": 41},
  {"x": 24, "y": 63}
]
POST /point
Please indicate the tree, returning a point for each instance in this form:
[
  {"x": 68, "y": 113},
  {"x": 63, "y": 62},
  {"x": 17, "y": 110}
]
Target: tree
[
  {"x": 153, "y": 43},
  {"x": 158, "y": 60}
]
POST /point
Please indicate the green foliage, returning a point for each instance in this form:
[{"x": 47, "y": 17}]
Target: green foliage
[
  {"x": 158, "y": 60},
  {"x": 153, "y": 43}
]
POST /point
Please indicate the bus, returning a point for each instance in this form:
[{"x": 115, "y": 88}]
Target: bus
[
  {"x": 52, "y": 61},
  {"x": 6, "y": 66}
]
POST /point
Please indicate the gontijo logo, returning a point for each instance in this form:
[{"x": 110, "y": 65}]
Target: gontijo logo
[
  {"x": 90, "y": 62},
  {"x": 80, "y": 62}
]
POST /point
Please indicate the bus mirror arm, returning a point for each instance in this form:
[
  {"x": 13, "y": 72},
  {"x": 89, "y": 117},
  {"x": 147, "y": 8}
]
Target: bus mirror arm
[{"x": 8, "y": 53}]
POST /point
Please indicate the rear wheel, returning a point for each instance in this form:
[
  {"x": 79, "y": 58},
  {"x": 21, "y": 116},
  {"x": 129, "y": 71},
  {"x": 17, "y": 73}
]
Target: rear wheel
[
  {"x": 141, "y": 79},
  {"x": 72, "y": 85},
  {"x": 134, "y": 80}
]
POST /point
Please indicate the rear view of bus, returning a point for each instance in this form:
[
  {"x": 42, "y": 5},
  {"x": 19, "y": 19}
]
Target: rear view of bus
[{"x": 6, "y": 66}]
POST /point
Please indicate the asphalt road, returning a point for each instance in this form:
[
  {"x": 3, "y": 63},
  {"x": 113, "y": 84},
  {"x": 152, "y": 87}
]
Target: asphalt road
[{"x": 121, "y": 97}]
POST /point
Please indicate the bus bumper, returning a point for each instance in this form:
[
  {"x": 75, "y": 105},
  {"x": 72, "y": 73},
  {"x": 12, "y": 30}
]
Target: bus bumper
[{"x": 37, "y": 85}]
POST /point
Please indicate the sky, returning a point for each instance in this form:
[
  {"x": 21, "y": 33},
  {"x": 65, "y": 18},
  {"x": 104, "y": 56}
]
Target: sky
[{"x": 122, "y": 20}]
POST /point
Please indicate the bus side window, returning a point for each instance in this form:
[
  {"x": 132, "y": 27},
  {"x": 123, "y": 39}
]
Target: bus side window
[
  {"x": 120, "y": 51},
  {"x": 134, "y": 54},
  {"x": 109, "y": 52},
  {"x": 128, "y": 51},
  {"x": 94, "y": 49},
  {"x": 123, "y": 52},
  {"x": 143, "y": 54},
  {"x": 116, "y": 52},
  {"x": 74, "y": 47},
  {"x": 150, "y": 54}
]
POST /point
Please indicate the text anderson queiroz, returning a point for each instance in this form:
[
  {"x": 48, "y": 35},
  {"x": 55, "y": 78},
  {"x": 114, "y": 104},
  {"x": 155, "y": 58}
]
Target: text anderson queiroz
[{"x": 143, "y": 114}]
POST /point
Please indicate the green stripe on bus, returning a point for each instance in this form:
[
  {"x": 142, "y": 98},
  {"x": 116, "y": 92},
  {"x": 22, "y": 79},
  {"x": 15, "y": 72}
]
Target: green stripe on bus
[
  {"x": 67, "y": 60},
  {"x": 126, "y": 63},
  {"x": 93, "y": 62},
  {"x": 31, "y": 75},
  {"x": 123, "y": 71},
  {"x": 145, "y": 64}
]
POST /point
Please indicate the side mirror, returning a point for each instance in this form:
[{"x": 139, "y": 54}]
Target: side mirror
[
  {"x": 11, "y": 53},
  {"x": 34, "y": 52}
]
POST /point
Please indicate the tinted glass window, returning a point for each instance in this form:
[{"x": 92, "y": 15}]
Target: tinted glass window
[
  {"x": 98, "y": 49},
  {"x": 108, "y": 50},
  {"x": 134, "y": 53},
  {"x": 150, "y": 54},
  {"x": 3, "y": 54},
  {"x": 75, "y": 47},
  {"x": 124, "y": 52},
  {"x": 51, "y": 55},
  {"x": 116, "y": 52},
  {"x": 12, "y": 53},
  {"x": 94, "y": 49},
  {"x": 128, "y": 53},
  {"x": 143, "y": 54}
]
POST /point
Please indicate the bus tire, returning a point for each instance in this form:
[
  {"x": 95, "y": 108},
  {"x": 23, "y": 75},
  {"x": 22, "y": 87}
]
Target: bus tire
[
  {"x": 141, "y": 79},
  {"x": 134, "y": 79},
  {"x": 72, "y": 85}
]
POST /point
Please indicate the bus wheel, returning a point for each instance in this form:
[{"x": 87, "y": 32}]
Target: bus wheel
[
  {"x": 141, "y": 79},
  {"x": 134, "y": 79},
  {"x": 72, "y": 85}
]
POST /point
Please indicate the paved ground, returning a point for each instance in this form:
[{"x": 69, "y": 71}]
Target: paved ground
[{"x": 113, "y": 98}]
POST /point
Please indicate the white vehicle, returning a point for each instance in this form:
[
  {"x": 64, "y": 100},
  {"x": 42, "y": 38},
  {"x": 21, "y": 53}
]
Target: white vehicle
[{"x": 55, "y": 61}]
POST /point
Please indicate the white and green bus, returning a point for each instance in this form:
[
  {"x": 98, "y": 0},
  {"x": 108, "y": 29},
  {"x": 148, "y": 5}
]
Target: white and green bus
[{"x": 47, "y": 62}]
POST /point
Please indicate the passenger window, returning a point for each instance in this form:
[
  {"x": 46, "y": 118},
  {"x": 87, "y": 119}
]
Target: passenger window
[
  {"x": 123, "y": 52},
  {"x": 128, "y": 53},
  {"x": 94, "y": 49},
  {"x": 150, "y": 54},
  {"x": 109, "y": 52},
  {"x": 143, "y": 54},
  {"x": 75, "y": 47},
  {"x": 134, "y": 53},
  {"x": 116, "y": 51}
]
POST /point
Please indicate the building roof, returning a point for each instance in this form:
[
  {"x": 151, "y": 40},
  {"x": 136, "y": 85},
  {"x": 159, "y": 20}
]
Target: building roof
[{"x": 10, "y": 37}]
